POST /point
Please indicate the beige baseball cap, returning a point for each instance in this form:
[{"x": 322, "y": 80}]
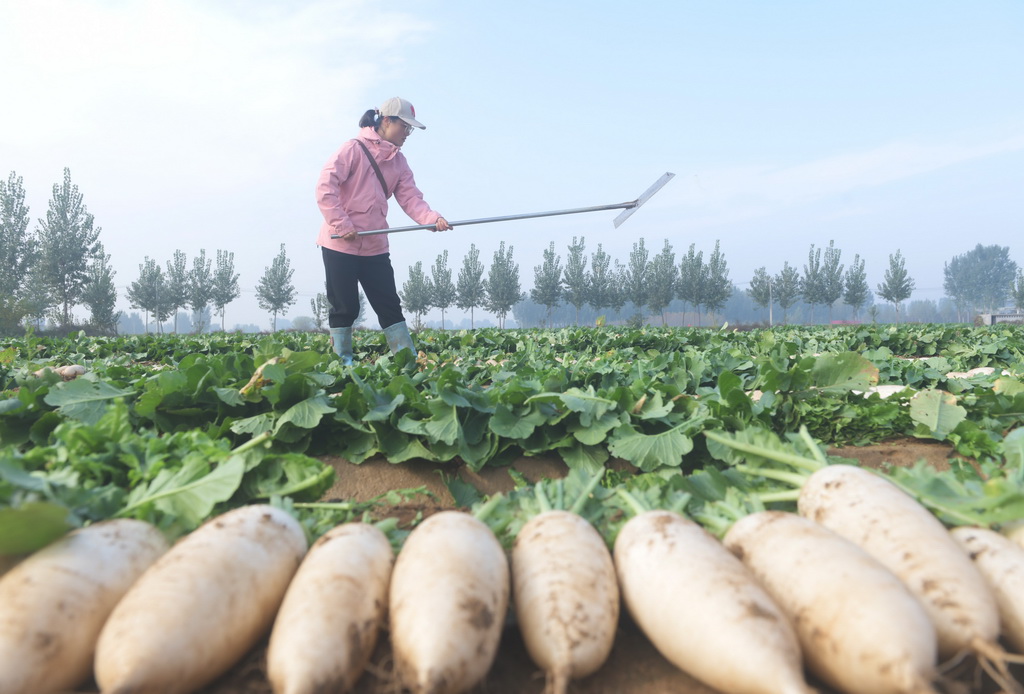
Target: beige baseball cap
[{"x": 400, "y": 108}]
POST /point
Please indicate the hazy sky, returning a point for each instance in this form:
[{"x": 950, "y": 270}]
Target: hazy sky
[{"x": 195, "y": 125}]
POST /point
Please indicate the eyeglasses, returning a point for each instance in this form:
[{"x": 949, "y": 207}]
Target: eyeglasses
[{"x": 402, "y": 123}]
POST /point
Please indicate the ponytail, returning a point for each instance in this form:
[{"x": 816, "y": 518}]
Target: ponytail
[{"x": 370, "y": 119}]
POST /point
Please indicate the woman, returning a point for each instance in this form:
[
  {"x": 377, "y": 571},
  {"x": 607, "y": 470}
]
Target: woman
[{"x": 352, "y": 198}]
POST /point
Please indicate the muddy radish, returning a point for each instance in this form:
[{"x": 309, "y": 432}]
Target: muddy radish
[
  {"x": 54, "y": 603},
  {"x": 201, "y": 606},
  {"x": 860, "y": 628},
  {"x": 448, "y": 601},
  {"x": 332, "y": 613},
  {"x": 703, "y": 609}
]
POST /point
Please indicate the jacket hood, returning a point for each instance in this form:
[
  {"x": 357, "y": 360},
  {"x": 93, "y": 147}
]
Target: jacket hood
[{"x": 381, "y": 148}]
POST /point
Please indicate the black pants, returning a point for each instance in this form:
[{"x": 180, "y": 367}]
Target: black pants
[{"x": 345, "y": 273}]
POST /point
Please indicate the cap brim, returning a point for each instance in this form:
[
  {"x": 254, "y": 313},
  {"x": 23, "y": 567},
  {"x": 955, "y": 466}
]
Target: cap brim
[{"x": 413, "y": 122}]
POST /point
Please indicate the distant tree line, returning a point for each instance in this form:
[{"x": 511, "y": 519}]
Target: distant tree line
[
  {"x": 61, "y": 264},
  {"x": 645, "y": 287},
  {"x": 45, "y": 273}
]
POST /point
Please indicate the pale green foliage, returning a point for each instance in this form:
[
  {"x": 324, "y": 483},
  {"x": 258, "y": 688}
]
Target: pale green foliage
[
  {"x": 636, "y": 278},
  {"x": 100, "y": 294},
  {"x": 199, "y": 290},
  {"x": 470, "y": 290},
  {"x": 786, "y": 288},
  {"x": 67, "y": 243},
  {"x": 502, "y": 287},
  {"x": 898, "y": 285},
  {"x": 547, "y": 282},
  {"x": 980, "y": 279},
  {"x": 319, "y": 308},
  {"x": 577, "y": 282},
  {"x": 602, "y": 290},
  {"x": 416, "y": 292},
  {"x": 443, "y": 292},
  {"x": 692, "y": 275},
  {"x": 831, "y": 277},
  {"x": 855, "y": 285},
  {"x": 719, "y": 288},
  {"x": 760, "y": 289},
  {"x": 176, "y": 292},
  {"x": 664, "y": 274},
  {"x": 145, "y": 293},
  {"x": 16, "y": 252},
  {"x": 225, "y": 283},
  {"x": 275, "y": 292},
  {"x": 811, "y": 282}
]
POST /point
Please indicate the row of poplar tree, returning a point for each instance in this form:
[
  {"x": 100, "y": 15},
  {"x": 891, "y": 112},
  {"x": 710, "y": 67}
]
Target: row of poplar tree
[
  {"x": 45, "y": 273},
  {"x": 981, "y": 279},
  {"x": 644, "y": 284}
]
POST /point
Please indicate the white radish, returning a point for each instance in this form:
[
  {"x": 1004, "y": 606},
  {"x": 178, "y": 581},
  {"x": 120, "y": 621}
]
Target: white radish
[
  {"x": 71, "y": 371},
  {"x": 703, "y": 609},
  {"x": 566, "y": 596},
  {"x": 328, "y": 624},
  {"x": 202, "y": 606},
  {"x": 54, "y": 603},
  {"x": 903, "y": 535},
  {"x": 861, "y": 630},
  {"x": 1001, "y": 562},
  {"x": 448, "y": 602}
]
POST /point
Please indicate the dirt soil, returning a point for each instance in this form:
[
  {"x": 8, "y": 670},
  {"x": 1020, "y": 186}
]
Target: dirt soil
[{"x": 634, "y": 666}]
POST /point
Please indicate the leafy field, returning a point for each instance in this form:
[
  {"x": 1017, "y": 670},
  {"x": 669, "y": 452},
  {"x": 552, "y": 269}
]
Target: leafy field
[{"x": 176, "y": 429}]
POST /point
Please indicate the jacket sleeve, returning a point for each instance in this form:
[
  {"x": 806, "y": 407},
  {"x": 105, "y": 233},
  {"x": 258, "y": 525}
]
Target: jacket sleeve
[
  {"x": 328, "y": 190},
  {"x": 410, "y": 198}
]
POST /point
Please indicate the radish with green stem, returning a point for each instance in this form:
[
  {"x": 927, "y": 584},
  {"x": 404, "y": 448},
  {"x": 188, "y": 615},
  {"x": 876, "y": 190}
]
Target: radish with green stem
[
  {"x": 897, "y": 530},
  {"x": 860, "y": 628},
  {"x": 202, "y": 606},
  {"x": 565, "y": 591},
  {"x": 912, "y": 543},
  {"x": 331, "y": 615},
  {"x": 54, "y": 603},
  {"x": 703, "y": 609},
  {"x": 448, "y": 601},
  {"x": 1001, "y": 562}
]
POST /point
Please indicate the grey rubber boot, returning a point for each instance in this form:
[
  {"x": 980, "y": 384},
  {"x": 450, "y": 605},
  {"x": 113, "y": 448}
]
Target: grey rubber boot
[
  {"x": 341, "y": 340},
  {"x": 399, "y": 338}
]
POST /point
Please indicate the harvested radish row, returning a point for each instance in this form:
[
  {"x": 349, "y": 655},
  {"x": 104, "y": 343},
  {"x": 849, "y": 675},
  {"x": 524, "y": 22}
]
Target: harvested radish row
[
  {"x": 903, "y": 535},
  {"x": 54, "y": 603},
  {"x": 566, "y": 596},
  {"x": 328, "y": 623},
  {"x": 703, "y": 609},
  {"x": 202, "y": 606},
  {"x": 448, "y": 601},
  {"x": 1001, "y": 562},
  {"x": 861, "y": 630}
]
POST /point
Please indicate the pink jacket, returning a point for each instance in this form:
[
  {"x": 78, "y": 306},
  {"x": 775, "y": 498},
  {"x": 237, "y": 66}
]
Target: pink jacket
[{"x": 350, "y": 196}]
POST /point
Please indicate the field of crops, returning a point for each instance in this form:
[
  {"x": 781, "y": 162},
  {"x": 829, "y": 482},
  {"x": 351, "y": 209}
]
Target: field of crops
[{"x": 715, "y": 425}]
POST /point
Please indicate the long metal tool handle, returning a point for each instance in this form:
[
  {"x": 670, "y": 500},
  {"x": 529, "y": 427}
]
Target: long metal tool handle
[{"x": 628, "y": 207}]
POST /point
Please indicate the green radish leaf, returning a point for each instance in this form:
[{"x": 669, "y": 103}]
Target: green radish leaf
[
  {"x": 32, "y": 526},
  {"x": 845, "y": 371},
  {"x": 650, "y": 451},
  {"x": 306, "y": 414},
  {"x": 583, "y": 458},
  {"x": 936, "y": 413},
  {"x": 83, "y": 399},
  {"x": 1013, "y": 451},
  {"x": 1007, "y": 385},
  {"x": 190, "y": 492},
  {"x": 230, "y": 396}
]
